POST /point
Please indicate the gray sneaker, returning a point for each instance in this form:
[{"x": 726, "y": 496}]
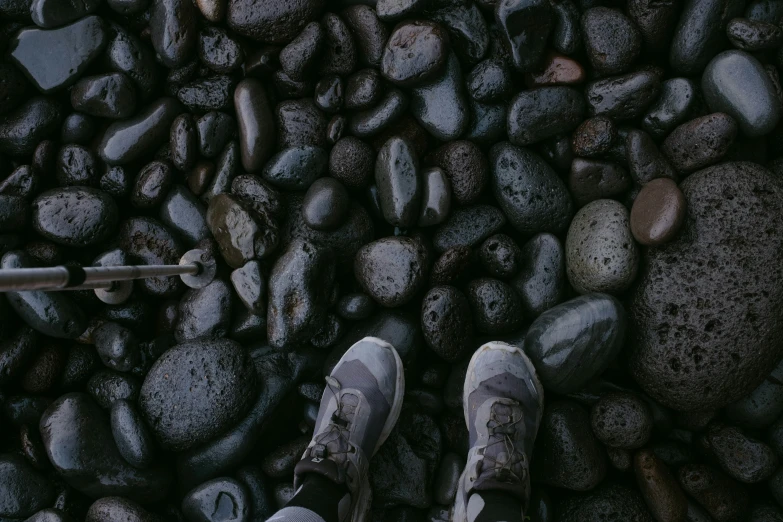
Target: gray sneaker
[
  {"x": 503, "y": 402},
  {"x": 359, "y": 408}
]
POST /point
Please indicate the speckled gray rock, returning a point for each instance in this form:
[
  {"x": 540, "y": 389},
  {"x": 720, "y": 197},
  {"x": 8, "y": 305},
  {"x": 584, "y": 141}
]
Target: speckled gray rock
[
  {"x": 204, "y": 313},
  {"x": 196, "y": 391},
  {"x": 530, "y": 193},
  {"x": 541, "y": 113},
  {"x": 392, "y": 269},
  {"x": 612, "y": 41},
  {"x": 601, "y": 254},
  {"x": 399, "y": 182},
  {"x": 468, "y": 227},
  {"x": 440, "y": 106},
  {"x": 677, "y": 102},
  {"x": 75, "y": 216},
  {"x": 132, "y": 436},
  {"x": 622, "y": 420},
  {"x": 610, "y": 500},
  {"x": 576, "y": 341},
  {"x": 744, "y": 458},
  {"x": 496, "y": 306},
  {"x": 541, "y": 282},
  {"x": 736, "y": 83},
  {"x": 242, "y": 233},
  {"x": 700, "y": 142},
  {"x": 704, "y": 312},
  {"x": 446, "y": 322}
]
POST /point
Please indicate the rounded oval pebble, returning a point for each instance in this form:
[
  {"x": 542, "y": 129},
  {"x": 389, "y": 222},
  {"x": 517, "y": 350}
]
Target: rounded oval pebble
[
  {"x": 217, "y": 499},
  {"x": 295, "y": 168},
  {"x": 391, "y": 270},
  {"x": 601, "y": 255},
  {"x": 131, "y": 435},
  {"x": 446, "y": 322},
  {"x": 105, "y": 96},
  {"x": 151, "y": 185},
  {"x": 25, "y": 490},
  {"x": 658, "y": 212},
  {"x": 415, "y": 52},
  {"x": 326, "y": 204},
  {"x": 118, "y": 508},
  {"x": 744, "y": 458},
  {"x": 621, "y": 420},
  {"x": 496, "y": 306},
  {"x": 398, "y": 180},
  {"x": 612, "y": 41},
  {"x": 352, "y": 162},
  {"x": 541, "y": 113},
  {"x": 75, "y": 216},
  {"x": 609, "y": 500}
]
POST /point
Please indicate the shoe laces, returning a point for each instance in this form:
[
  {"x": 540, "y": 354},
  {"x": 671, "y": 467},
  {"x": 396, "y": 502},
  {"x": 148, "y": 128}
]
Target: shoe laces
[
  {"x": 503, "y": 427},
  {"x": 334, "y": 439}
]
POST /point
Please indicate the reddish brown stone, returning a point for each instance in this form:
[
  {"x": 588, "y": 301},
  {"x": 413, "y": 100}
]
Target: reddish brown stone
[
  {"x": 557, "y": 69},
  {"x": 658, "y": 212}
]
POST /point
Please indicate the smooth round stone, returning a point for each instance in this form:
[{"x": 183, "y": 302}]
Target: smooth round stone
[
  {"x": 762, "y": 406},
  {"x": 517, "y": 175},
  {"x": 371, "y": 122},
  {"x": 446, "y": 323},
  {"x": 567, "y": 454},
  {"x": 468, "y": 30},
  {"x": 105, "y": 96},
  {"x": 720, "y": 496},
  {"x": 23, "y": 182},
  {"x": 601, "y": 255},
  {"x": 185, "y": 214},
  {"x": 339, "y": 55},
  {"x": 391, "y": 270},
  {"x": 590, "y": 180},
  {"x": 699, "y": 35},
  {"x": 487, "y": 123},
  {"x": 658, "y": 212},
  {"x": 173, "y": 31},
  {"x": 118, "y": 508},
  {"x": 25, "y": 490},
  {"x": 107, "y": 386},
  {"x": 78, "y": 128},
  {"x": 196, "y": 391},
  {"x": 363, "y": 89},
  {"x": 256, "y": 124},
  {"x": 744, "y": 458},
  {"x": 739, "y": 241},
  {"x": 398, "y": 180},
  {"x": 257, "y": 486},
  {"x": 300, "y": 56},
  {"x": 594, "y": 136},
  {"x": 352, "y": 162},
  {"x": 754, "y": 35},
  {"x": 603, "y": 503},
  {"x": 326, "y": 204},
  {"x": 468, "y": 227},
  {"x": 204, "y": 313},
  {"x": 369, "y": 32},
  {"x": 489, "y": 81},
  {"x": 496, "y": 306},
  {"x": 77, "y": 165},
  {"x": 500, "y": 256},
  {"x": 329, "y": 93},
  {"x": 655, "y": 22},
  {"x": 50, "y": 313},
  {"x": 133, "y": 439},
  {"x": 735, "y": 83},
  {"x": 300, "y": 123},
  {"x": 624, "y": 97},
  {"x": 538, "y": 114},
  {"x": 218, "y": 50},
  {"x": 215, "y": 130},
  {"x": 50, "y": 515},
  {"x": 700, "y": 142},
  {"x": 117, "y": 347},
  {"x": 80, "y": 446},
  {"x": 525, "y": 27},
  {"x": 355, "y": 307},
  {"x": 295, "y": 168},
  {"x": 541, "y": 281},
  {"x": 70, "y": 51},
  {"x": 659, "y": 488},
  {"x": 677, "y": 102},
  {"x": 18, "y": 353},
  {"x": 271, "y": 22},
  {"x": 151, "y": 185},
  {"x": 250, "y": 286},
  {"x": 645, "y": 161},
  {"x": 576, "y": 341},
  {"x": 466, "y": 167},
  {"x": 415, "y": 52},
  {"x": 183, "y": 142},
  {"x": 223, "y": 499},
  {"x": 612, "y": 42},
  {"x": 51, "y": 13},
  {"x": 131, "y": 140},
  {"x": 258, "y": 194},
  {"x": 23, "y": 128},
  {"x": 622, "y": 420},
  {"x": 440, "y": 106},
  {"x": 303, "y": 274},
  {"x": 447, "y": 479},
  {"x": 127, "y": 54},
  {"x": 74, "y": 216},
  {"x": 153, "y": 244}
]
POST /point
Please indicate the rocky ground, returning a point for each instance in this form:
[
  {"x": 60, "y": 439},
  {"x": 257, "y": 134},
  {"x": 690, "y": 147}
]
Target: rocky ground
[{"x": 597, "y": 181}]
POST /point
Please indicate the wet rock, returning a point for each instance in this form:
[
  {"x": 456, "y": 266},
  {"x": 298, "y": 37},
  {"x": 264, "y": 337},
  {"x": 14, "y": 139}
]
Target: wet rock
[
  {"x": 329, "y": 93},
  {"x": 131, "y": 435},
  {"x": 557, "y": 70},
  {"x": 355, "y": 306},
  {"x": 351, "y": 161},
  {"x": 714, "y": 368},
  {"x": 131, "y": 140},
  {"x": 204, "y": 313},
  {"x": 659, "y": 487},
  {"x": 43, "y": 372},
  {"x": 78, "y": 441},
  {"x": 340, "y": 52},
  {"x": 152, "y": 185},
  {"x": 215, "y": 130},
  {"x": 295, "y": 168},
  {"x": 48, "y": 14},
  {"x": 658, "y": 212},
  {"x": 531, "y": 195},
  {"x": 24, "y": 182},
  {"x": 735, "y": 83},
  {"x": 446, "y": 482},
  {"x": 645, "y": 162},
  {"x": 440, "y": 105},
  {"x": 241, "y": 233},
  {"x": 74, "y": 216},
  {"x": 612, "y": 41},
  {"x": 25, "y": 126},
  {"x": 435, "y": 199},
  {"x": 300, "y": 284},
  {"x": 218, "y": 50},
  {"x": 744, "y": 458},
  {"x": 700, "y": 142},
  {"x": 753, "y": 35},
  {"x": 117, "y": 347},
  {"x": 621, "y": 420},
  {"x": 720, "y": 496},
  {"x": 50, "y": 313},
  {"x": 257, "y": 488},
  {"x": 300, "y": 57},
  {"x": 118, "y": 508},
  {"x": 196, "y": 391},
  {"x": 149, "y": 242},
  {"x": 125, "y": 53},
  {"x": 250, "y": 286},
  {"x": 184, "y": 214},
  {"x": 601, "y": 255},
  {"x": 468, "y": 227},
  {"x": 398, "y": 180},
  {"x": 567, "y": 454},
  {"x": 525, "y": 27},
  {"x": 655, "y": 21},
  {"x": 496, "y": 307},
  {"x": 71, "y": 50},
  {"x": 370, "y": 122},
  {"x": 489, "y": 81},
  {"x": 77, "y": 165},
  {"x": 466, "y": 167},
  {"x": 107, "y": 386},
  {"x": 446, "y": 323},
  {"x": 271, "y": 22},
  {"x": 415, "y": 53},
  {"x": 105, "y": 96},
  {"x": 183, "y": 142},
  {"x": 590, "y": 180},
  {"x": 280, "y": 462},
  {"x": 541, "y": 113},
  {"x": 594, "y": 136},
  {"x": 487, "y": 123},
  {"x": 369, "y": 32},
  {"x": 78, "y": 128},
  {"x": 25, "y": 490},
  {"x": 623, "y": 97},
  {"x": 363, "y": 89},
  {"x": 677, "y": 102},
  {"x": 217, "y": 499},
  {"x": 699, "y": 34},
  {"x": 258, "y": 194},
  {"x": 541, "y": 282},
  {"x": 608, "y": 500},
  {"x": 391, "y": 270},
  {"x": 173, "y": 31},
  {"x": 576, "y": 341},
  {"x": 213, "y": 93},
  {"x": 500, "y": 256},
  {"x": 300, "y": 123},
  {"x": 326, "y": 204}
]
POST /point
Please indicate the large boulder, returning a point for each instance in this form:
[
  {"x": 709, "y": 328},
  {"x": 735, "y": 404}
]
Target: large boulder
[{"x": 705, "y": 311}]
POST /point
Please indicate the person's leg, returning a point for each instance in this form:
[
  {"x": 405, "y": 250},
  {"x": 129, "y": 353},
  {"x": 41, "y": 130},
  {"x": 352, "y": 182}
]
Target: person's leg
[
  {"x": 359, "y": 408},
  {"x": 503, "y": 402}
]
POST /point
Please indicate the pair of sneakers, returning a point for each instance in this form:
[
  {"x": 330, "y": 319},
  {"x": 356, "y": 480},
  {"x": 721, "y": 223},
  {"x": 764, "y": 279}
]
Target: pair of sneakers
[{"x": 503, "y": 403}]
